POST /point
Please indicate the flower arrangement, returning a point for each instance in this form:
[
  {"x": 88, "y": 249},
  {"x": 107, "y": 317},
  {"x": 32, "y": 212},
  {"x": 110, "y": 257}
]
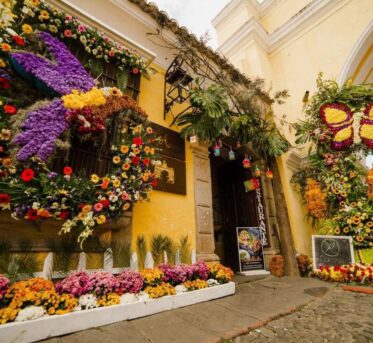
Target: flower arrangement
[
  {"x": 22, "y": 17},
  {"x": 220, "y": 273},
  {"x": 152, "y": 277},
  {"x": 36, "y": 297},
  {"x": 359, "y": 273},
  {"x": 195, "y": 284},
  {"x": 304, "y": 264},
  {"x": 334, "y": 186},
  {"x": 160, "y": 290},
  {"x": 315, "y": 198},
  {"x": 129, "y": 282}
]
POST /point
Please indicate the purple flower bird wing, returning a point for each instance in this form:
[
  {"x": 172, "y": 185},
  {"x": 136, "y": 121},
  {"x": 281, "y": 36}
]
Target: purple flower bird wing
[
  {"x": 63, "y": 75},
  {"x": 42, "y": 128}
]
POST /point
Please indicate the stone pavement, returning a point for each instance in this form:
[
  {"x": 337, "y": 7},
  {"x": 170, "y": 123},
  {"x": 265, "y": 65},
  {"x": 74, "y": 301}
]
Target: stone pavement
[
  {"x": 253, "y": 305},
  {"x": 338, "y": 317}
]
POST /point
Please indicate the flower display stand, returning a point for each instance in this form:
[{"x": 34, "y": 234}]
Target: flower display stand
[{"x": 57, "y": 325}]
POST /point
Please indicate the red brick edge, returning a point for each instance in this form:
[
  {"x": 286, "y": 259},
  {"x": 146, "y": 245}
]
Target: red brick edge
[{"x": 358, "y": 289}]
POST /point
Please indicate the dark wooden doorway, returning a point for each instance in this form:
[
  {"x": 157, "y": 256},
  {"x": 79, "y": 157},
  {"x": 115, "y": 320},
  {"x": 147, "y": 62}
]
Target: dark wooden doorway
[{"x": 235, "y": 206}]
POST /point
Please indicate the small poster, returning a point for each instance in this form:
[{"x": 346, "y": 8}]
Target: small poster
[{"x": 250, "y": 248}]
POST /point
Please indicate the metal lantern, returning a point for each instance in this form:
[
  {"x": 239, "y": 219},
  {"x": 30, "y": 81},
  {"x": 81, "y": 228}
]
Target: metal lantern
[{"x": 216, "y": 150}]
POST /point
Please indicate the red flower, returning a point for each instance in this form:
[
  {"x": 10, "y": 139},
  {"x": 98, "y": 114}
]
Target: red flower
[
  {"x": 27, "y": 175},
  {"x": 135, "y": 160},
  {"x": 64, "y": 215},
  {"x": 9, "y": 109},
  {"x": 18, "y": 40},
  {"x": 4, "y": 199},
  {"x": 155, "y": 183},
  {"x": 68, "y": 33},
  {"x": 135, "y": 70},
  {"x": 4, "y": 83},
  {"x": 67, "y": 170},
  {"x": 105, "y": 184},
  {"x": 105, "y": 203},
  {"x": 146, "y": 161},
  {"x": 32, "y": 214},
  {"x": 137, "y": 141}
]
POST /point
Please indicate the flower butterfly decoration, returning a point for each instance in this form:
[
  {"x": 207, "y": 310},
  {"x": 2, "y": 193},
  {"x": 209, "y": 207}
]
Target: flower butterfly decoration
[{"x": 339, "y": 120}]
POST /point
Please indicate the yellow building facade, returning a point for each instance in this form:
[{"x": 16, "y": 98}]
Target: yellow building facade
[{"x": 288, "y": 42}]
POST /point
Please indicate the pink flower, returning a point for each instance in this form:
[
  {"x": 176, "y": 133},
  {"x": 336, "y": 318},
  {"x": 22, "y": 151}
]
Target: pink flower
[
  {"x": 68, "y": 33},
  {"x": 4, "y": 284},
  {"x": 98, "y": 207},
  {"x": 76, "y": 284},
  {"x": 68, "y": 18},
  {"x": 81, "y": 28},
  {"x": 129, "y": 282}
]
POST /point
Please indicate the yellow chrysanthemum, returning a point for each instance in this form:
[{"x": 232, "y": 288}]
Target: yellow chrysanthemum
[
  {"x": 343, "y": 134},
  {"x": 101, "y": 219},
  {"x": 44, "y": 15},
  {"x": 5, "y": 47},
  {"x": 124, "y": 149},
  {"x": 87, "y": 208},
  {"x": 77, "y": 100},
  {"x": 366, "y": 131},
  {"x": 95, "y": 178},
  {"x": 26, "y": 28},
  {"x": 334, "y": 116},
  {"x": 116, "y": 159}
]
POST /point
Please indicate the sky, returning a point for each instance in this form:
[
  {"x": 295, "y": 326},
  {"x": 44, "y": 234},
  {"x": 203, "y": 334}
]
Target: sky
[{"x": 196, "y": 15}]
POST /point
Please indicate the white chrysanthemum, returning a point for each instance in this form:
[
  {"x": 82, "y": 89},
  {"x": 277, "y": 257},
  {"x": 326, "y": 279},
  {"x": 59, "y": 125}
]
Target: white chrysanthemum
[
  {"x": 128, "y": 298},
  {"x": 86, "y": 302},
  {"x": 180, "y": 289},
  {"x": 212, "y": 282},
  {"x": 143, "y": 296},
  {"x": 30, "y": 313}
]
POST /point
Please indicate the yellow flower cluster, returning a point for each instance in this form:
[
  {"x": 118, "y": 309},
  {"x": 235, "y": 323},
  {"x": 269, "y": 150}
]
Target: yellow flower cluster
[
  {"x": 196, "y": 284},
  {"x": 315, "y": 199},
  {"x": 160, "y": 290},
  {"x": 77, "y": 100},
  {"x": 370, "y": 183},
  {"x": 152, "y": 277},
  {"x": 109, "y": 299},
  {"x": 37, "y": 292},
  {"x": 335, "y": 116},
  {"x": 221, "y": 273}
]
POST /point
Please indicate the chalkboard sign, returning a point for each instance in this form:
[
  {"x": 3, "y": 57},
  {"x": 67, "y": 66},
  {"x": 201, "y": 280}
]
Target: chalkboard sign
[{"x": 332, "y": 250}]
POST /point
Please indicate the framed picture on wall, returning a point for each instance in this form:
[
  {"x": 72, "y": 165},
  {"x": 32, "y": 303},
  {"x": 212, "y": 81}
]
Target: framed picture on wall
[{"x": 171, "y": 172}]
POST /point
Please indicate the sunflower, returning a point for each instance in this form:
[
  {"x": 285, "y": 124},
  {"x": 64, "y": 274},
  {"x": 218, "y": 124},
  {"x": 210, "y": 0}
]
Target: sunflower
[
  {"x": 342, "y": 204},
  {"x": 346, "y": 229},
  {"x": 95, "y": 178},
  {"x": 353, "y": 204},
  {"x": 126, "y": 166},
  {"x": 337, "y": 230},
  {"x": 126, "y": 206},
  {"x": 116, "y": 183},
  {"x": 359, "y": 238},
  {"x": 370, "y": 224},
  {"x": 115, "y": 91}
]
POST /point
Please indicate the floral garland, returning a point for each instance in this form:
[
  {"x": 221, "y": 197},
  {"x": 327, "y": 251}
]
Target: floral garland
[
  {"x": 333, "y": 185},
  {"x": 20, "y": 18},
  {"x": 29, "y": 137},
  {"x": 35, "y": 298}
]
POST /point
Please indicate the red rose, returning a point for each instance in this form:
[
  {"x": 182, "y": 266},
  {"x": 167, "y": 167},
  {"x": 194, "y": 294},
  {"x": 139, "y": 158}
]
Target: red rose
[
  {"x": 155, "y": 183},
  {"x": 27, "y": 175},
  {"x": 9, "y": 109},
  {"x": 137, "y": 141},
  {"x": 32, "y": 214},
  {"x": 135, "y": 160},
  {"x": 64, "y": 215},
  {"x": 4, "y": 83},
  {"x": 18, "y": 40},
  {"x": 67, "y": 170},
  {"x": 105, "y": 203},
  {"x": 4, "y": 199},
  {"x": 135, "y": 70},
  {"x": 68, "y": 33},
  {"x": 146, "y": 161}
]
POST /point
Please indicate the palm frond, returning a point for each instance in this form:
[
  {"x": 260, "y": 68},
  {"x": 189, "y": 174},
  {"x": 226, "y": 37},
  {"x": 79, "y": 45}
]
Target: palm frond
[
  {"x": 185, "y": 251},
  {"x": 141, "y": 246}
]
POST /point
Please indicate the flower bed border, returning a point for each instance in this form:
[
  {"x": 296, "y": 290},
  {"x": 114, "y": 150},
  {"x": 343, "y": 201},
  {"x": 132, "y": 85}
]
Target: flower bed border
[{"x": 47, "y": 327}]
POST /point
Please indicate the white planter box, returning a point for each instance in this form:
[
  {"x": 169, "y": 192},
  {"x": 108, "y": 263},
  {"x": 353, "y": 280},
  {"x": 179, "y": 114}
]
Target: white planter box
[{"x": 57, "y": 325}]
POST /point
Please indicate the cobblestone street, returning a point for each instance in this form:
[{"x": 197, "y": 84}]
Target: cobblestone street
[{"x": 339, "y": 316}]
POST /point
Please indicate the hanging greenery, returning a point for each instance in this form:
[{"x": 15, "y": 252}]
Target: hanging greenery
[{"x": 333, "y": 184}]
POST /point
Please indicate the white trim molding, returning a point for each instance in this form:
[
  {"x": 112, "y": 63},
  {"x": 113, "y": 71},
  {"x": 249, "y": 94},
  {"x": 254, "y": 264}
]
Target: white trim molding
[
  {"x": 361, "y": 46},
  {"x": 296, "y": 160},
  {"x": 273, "y": 41}
]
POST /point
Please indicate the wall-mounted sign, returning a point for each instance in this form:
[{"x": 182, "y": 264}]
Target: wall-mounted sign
[
  {"x": 250, "y": 249},
  {"x": 171, "y": 172},
  {"x": 332, "y": 250}
]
